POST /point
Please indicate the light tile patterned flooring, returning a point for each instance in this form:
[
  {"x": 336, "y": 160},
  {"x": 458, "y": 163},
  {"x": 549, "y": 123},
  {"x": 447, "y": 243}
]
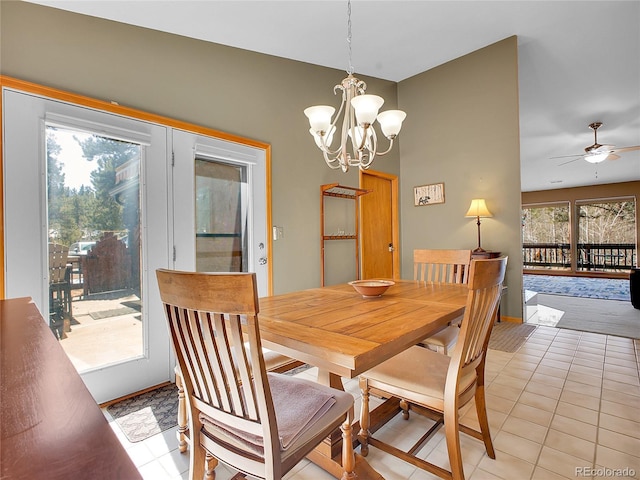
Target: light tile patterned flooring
[{"x": 565, "y": 405}]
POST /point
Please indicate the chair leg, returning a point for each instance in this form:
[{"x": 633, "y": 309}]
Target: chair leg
[
  {"x": 481, "y": 410},
  {"x": 210, "y": 464},
  {"x": 348, "y": 460},
  {"x": 404, "y": 406},
  {"x": 363, "y": 434},
  {"x": 452, "y": 435},
  {"x": 182, "y": 413},
  {"x": 197, "y": 456}
]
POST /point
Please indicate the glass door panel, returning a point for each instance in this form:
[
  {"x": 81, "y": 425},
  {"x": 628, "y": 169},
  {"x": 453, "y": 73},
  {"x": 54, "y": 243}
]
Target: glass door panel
[
  {"x": 93, "y": 213},
  {"x": 221, "y": 217}
]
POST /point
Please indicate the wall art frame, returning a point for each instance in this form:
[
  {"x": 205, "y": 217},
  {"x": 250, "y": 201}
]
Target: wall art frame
[{"x": 431, "y": 194}]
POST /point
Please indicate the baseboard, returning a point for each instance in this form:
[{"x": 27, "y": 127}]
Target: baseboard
[{"x": 511, "y": 319}]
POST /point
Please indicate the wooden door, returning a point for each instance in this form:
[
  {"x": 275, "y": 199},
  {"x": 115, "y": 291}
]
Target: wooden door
[{"x": 379, "y": 237}]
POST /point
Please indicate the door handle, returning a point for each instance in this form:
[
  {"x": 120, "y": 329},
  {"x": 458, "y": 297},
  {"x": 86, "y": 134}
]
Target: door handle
[{"x": 391, "y": 247}]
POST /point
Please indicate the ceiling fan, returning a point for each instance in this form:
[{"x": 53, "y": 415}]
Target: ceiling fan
[{"x": 597, "y": 152}]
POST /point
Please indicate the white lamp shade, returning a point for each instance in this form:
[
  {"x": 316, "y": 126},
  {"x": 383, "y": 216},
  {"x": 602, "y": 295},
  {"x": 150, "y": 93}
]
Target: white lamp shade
[
  {"x": 391, "y": 122},
  {"x": 478, "y": 208},
  {"x": 366, "y": 107},
  {"x": 328, "y": 137},
  {"x": 319, "y": 117},
  {"x": 596, "y": 157}
]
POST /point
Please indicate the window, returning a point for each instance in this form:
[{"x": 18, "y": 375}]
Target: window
[
  {"x": 591, "y": 236},
  {"x": 606, "y": 235},
  {"x": 546, "y": 237}
]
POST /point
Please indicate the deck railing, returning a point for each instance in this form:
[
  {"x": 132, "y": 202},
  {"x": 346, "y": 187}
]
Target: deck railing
[{"x": 591, "y": 256}]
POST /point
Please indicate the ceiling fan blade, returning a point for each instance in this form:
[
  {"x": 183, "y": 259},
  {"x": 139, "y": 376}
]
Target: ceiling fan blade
[
  {"x": 612, "y": 156},
  {"x": 570, "y": 161},
  {"x": 626, "y": 149},
  {"x": 568, "y": 156}
]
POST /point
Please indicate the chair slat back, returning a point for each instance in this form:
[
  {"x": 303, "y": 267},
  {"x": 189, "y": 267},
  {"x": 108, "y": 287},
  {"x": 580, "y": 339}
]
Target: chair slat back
[
  {"x": 224, "y": 374},
  {"x": 485, "y": 287},
  {"x": 441, "y": 266},
  {"x": 57, "y": 262}
]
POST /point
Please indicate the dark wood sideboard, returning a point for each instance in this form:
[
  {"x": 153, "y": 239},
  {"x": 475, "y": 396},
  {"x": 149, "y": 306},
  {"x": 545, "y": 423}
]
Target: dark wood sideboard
[{"x": 50, "y": 425}]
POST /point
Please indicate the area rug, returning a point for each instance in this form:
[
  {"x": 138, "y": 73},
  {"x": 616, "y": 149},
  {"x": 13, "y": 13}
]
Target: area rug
[
  {"x": 147, "y": 414},
  {"x": 509, "y": 337},
  {"x": 604, "y": 288},
  {"x": 608, "y": 317}
]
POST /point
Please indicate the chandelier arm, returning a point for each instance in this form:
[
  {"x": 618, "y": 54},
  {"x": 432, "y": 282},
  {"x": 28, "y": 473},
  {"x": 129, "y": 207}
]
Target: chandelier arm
[
  {"x": 325, "y": 148},
  {"x": 371, "y": 150},
  {"x": 331, "y": 162},
  {"x": 388, "y": 149},
  {"x": 342, "y": 105}
]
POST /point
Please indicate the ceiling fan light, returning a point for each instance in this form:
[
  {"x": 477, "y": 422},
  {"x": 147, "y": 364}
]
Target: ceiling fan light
[{"x": 596, "y": 157}]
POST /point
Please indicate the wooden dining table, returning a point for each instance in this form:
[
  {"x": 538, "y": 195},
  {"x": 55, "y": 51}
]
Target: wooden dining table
[{"x": 344, "y": 334}]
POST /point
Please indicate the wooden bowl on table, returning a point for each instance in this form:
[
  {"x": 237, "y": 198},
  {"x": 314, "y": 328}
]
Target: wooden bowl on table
[{"x": 371, "y": 288}]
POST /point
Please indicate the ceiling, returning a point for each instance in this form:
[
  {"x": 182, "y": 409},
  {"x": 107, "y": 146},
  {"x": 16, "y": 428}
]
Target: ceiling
[{"x": 579, "y": 61}]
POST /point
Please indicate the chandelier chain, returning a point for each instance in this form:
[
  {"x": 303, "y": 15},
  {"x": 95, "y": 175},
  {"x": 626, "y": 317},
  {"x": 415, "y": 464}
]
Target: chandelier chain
[
  {"x": 350, "y": 70},
  {"x": 358, "y": 111}
]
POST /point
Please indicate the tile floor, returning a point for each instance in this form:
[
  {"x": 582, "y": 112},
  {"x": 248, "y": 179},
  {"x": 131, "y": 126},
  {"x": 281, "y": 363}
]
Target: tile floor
[{"x": 565, "y": 405}]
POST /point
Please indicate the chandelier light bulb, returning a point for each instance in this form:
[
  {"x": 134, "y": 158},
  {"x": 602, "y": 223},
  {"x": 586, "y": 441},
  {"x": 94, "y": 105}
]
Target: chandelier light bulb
[
  {"x": 366, "y": 107},
  {"x": 328, "y": 137},
  {"x": 319, "y": 117},
  {"x": 391, "y": 122},
  {"x": 358, "y": 130}
]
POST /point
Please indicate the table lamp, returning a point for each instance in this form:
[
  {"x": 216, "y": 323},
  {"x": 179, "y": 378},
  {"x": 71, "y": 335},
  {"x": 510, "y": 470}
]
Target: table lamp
[{"x": 478, "y": 208}]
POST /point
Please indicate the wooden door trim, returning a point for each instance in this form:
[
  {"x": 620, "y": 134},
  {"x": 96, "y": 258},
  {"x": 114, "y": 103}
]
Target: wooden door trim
[{"x": 395, "y": 228}]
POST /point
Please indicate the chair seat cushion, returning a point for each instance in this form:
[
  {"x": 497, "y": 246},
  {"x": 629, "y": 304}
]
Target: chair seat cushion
[
  {"x": 302, "y": 409},
  {"x": 444, "y": 338},
  {"x": 275, "y": 361},
  {"x": 272, "y": 360},
  {"x": 417, "y": 375}
]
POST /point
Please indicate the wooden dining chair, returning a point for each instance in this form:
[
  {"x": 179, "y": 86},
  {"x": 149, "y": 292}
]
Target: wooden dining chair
[
  {"x": 261, "y": 424},
  {"x": 273, "y": 361},
  {"x": 440, "y": 384},
  {"x": 442, "y": 266},
  {"x": 60, "y": 306}
]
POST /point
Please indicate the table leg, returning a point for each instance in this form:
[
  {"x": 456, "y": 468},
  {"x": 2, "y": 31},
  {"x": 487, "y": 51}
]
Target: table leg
[{"x": 328, "y": 454}]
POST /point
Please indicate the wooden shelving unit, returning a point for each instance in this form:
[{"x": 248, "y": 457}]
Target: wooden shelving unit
[{"x": 349, "y": 193}]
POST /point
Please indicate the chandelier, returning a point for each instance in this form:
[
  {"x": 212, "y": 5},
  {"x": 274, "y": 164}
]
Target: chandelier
[{"x": 360, "y": 112}]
